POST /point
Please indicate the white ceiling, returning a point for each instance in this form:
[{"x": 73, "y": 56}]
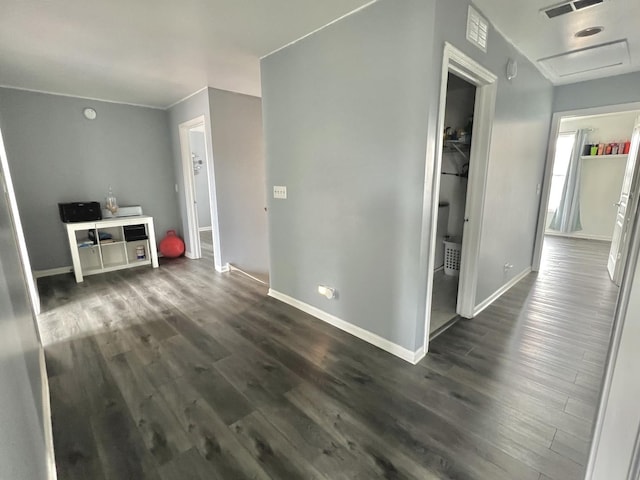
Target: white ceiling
[
  {"x": 150, "y": 52},
  {"x": 156, "y": 52},
  {"x": 539, "y": 37}
]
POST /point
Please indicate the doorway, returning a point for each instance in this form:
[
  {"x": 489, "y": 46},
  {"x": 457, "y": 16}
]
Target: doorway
[
  {"x": 590, "y": 155},
  {"x": 202, "y": 193},
  {"x": 202, "y": 235},
  {"x": 454, "y": 175},
  {"x": 471, "y": 175}
]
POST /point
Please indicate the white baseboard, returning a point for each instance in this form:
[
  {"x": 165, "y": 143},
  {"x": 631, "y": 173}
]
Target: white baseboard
[
  {"x": 439, "y": 269},
  {"x": 189, "y": 255},
  {"x": 236, "y": 269},
  {"x": 205, "y": 229},
  {"x": 222, "y": 269},
  {"x": 361, "y": 333},
  {"x": 503, "y": 289},
  {"x": 583, "y": 236},
  {"x": 52, "y": 271}
]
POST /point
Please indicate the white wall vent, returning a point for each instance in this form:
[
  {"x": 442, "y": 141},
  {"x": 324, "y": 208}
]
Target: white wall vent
[
  {"x": 568, "y": 7},
  {"x": 477, "y": 29}
]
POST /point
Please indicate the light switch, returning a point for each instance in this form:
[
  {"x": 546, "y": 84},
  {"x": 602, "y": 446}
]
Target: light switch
[{"x": 279, "y": 192}]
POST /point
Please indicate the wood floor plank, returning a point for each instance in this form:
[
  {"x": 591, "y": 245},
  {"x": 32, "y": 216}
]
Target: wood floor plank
[
  {"x": 217, "y": 444},
  {"x": 271, "y": 449},
  {"x": 181, "y": 372}
]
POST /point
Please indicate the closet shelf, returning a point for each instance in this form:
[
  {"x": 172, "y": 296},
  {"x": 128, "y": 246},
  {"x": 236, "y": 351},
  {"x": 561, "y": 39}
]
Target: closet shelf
[{"x": 457, "y": 146}]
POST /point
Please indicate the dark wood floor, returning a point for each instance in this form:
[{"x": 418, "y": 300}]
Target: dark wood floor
[{"x": 183, "y": 373}]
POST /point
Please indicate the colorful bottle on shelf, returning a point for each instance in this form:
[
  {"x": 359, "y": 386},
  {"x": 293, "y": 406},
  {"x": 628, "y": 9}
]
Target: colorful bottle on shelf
[
  {"x": 601, "y": 149},
  {"x": 614, "y": 149},
  {"x": 627, "y": 147}
]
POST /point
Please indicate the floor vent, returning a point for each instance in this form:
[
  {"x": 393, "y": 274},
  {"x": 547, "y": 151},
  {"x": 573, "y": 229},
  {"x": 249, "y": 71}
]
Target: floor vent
[
  {"x": 477, "y": 29},
  {"x": 568, "y": 7}
]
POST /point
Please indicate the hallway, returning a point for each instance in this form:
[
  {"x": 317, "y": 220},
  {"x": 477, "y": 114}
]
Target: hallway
[{"x": 182, "y": 372}]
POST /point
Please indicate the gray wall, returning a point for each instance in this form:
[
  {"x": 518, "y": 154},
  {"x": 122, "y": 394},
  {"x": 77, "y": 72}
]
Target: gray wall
[
  {"x": 348, "y": 112},
  {"x": 184, "y": 111},
  {"x": 345, "y": 113},
  {"x": 597, "y": 93},
  {"x": 233, "y": 133},
  {"x": 238, "y": 155},
  {"x": 518, "y": 150},
  {"x": 23, "y": 453},
  {"x": 196, "y": 141},
  {"x": 56, "y": 155}
]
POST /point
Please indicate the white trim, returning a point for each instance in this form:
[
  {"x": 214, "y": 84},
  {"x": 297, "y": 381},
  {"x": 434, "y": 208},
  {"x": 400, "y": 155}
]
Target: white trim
[
  {"x": 454, "y": 60},
  {"x": 361, "y": 333},
  {"x": 233, "y": 268},
  {"x": 222, "y": 269},
  {"x": 583, "y": 236},
  {"x": 50, "y": 272},
  {"x": 190, "y": 255},
  {"x": 502, "y": 290},
  {"x": 188, "y": 186},
  {"x": 187, "y": 97},
  {"x": 205, "y": 229},
  {"x": 46, "y": 417},
  {"x": 320, "y": 28},
  {"x": 91, "y": 99},
  {"x": 554, "y": 131},
  {"x": 192, "y": 240},
  {"x": 6, "y": 189}
]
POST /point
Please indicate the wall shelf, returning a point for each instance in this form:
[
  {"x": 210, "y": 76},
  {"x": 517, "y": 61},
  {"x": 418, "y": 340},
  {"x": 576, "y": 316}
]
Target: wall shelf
[{"x": 624, "y": 155}]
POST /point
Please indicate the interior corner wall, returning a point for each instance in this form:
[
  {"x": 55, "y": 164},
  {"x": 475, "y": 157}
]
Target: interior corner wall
[
  {"x": 601, "y": 92},
  {"x": 23, "y": 449},
  {"x": 238, "y": 155},
  {"x": 193, "y": 107},
  {"x": 518, "y": 151},
  {"x": 346, "y": 120},
  {"x": 56, "y": 155}
]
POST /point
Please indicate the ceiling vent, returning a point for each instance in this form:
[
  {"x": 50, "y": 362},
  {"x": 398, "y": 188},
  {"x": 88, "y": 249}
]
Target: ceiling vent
[
  {"x": 477, "y": 29},
  {"x": 569, "y": 7}
]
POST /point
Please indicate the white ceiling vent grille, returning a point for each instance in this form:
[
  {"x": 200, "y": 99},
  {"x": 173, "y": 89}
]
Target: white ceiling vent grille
[
  {"x": 477, "y": 29},
  {"x": 569, "y": 7}
]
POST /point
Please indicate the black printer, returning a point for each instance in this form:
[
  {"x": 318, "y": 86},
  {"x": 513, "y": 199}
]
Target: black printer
[{"x": 79, "y": 212}]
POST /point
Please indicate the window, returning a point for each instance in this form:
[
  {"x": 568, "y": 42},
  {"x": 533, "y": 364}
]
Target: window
[{"x": 564, "y": 147}]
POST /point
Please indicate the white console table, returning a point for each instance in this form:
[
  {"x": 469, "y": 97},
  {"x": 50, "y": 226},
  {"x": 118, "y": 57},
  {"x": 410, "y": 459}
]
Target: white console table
[{"x": 113, "y": 254}]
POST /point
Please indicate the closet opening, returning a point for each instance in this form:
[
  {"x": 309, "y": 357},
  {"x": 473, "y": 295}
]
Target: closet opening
[
  {"x": 456, "y": 171},
  {"x": 454, "y": 176}
]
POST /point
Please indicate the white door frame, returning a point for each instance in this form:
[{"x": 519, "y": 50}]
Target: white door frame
[
  {"x": 455, "y": 61},
  {"x": 192, "y": 240},
  {"x": 548, "y": 169}
]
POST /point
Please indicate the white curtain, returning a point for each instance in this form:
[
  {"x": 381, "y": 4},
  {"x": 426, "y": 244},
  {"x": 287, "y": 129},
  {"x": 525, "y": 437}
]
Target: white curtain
[{"x": 567, "y": 217}]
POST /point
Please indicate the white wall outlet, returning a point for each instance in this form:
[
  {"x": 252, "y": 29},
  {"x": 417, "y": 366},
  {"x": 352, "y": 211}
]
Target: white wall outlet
[
  {"x": 280, "y": 192},
  {"x": 538, "y": 189},
  {"x": 327, "y": 292},
  {"x": 508, "y": 266}
]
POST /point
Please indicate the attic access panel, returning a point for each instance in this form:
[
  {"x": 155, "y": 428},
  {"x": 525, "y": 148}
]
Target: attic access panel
[{"x": 588, "y": 59}]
